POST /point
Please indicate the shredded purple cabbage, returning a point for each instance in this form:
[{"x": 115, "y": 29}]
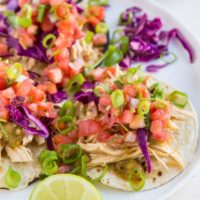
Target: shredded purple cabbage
[
  {"x": 21, "y": 116},
  {"x": 86, "y": 97},
  {"x": 88, "y": 85},
  {"x": 147, "y": 41},
  {"x": 142, "y": 135},
  {"x": 57, "y": 97}
]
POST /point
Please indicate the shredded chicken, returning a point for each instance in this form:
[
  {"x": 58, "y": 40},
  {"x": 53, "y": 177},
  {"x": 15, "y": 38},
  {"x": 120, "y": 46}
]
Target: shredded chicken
[
  {"x": 27, "y": 139},
  {"x": 19, "y": 154},
  {"x": 40, "y": 140},
  {"x": 103, "y": 159},
  {"x": 181, "y": 114}
]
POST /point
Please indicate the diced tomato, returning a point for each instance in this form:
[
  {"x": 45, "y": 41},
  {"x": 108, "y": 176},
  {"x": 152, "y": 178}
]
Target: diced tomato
[
  {"x": 93, "y": 20},
  {"x": 3, "y": 111},
  {"x": 61, "y": 139},
  {"x": 126, "y": 117},
  {"x": 89, "y": 127},
  {"x": 47, "y": 25},
  {"x": 32, "y": 29},
  {"x": 22, "y": 2},
  {"x": 46, "y": 109},
  {"x": 103, "y": 137},
  {"x": 56, "y": 2},
  {"x": 33, "y": 107},
  {"x": 78, "y": 33},
  {"x": 2, "y": 83},
  {"x": 23, "y": 89},
  {"x": 108, "y": 119},
  {"x": 98, "y": 73},
  {"x": 36, "y": 95},
  {"x": 98, "y": 12},
  {"x": 129, "y": 92},
  {"x": 25, "y": 38},
  {"x": 63, "y": 55},
  {"x": 3, "y": 49},
  {"x": 110, "y": 70},
  {"x": 73, "y": 135},
  {"x": 9, "y": 93},
  {"x": 115, "y": 139},
  {"x": 143, "y": 91},
  {"x": 99, "y": 39},
  {"x": 62, "y": 10},
  {"x": 64, "y": 66},
  {"x": 157, "y": 130},
  {"x": 104, "y": 102},
  {"x": 55, "y": 75},
  {"x": 44, "y": 2},
  {"x": 137, "y": 122}
]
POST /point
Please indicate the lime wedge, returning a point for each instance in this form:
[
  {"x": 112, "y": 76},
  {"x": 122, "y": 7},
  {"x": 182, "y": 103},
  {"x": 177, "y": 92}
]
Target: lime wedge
[{"x": 65, "y": 187}]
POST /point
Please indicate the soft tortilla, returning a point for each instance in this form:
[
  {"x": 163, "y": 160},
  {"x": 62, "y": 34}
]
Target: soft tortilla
[
  {"x": 29, "y": 171},
  {"x": 184, "y": 143}
]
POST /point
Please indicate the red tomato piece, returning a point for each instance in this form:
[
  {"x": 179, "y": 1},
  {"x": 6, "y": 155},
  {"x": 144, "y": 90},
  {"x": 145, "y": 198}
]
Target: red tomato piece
[
  {"x": 2, "y": 83},
  {"x": 55, "y": 75},
  {"x": 157, "y": 130},
  {"x": 3, "y": 49},
  {"x": 89, "y": 127},
  {"x": 103, "y": 137},
  {"x": 61, "y": 139},
  {"x": 23, "y": 89},
  {"x": 98, "y": 12},
  {"x": 47, "y": 25},
  {"x": 126, "y": 117},
  {"x": 36, "y": 95},
  {"x": 99, "y": 39},
  {"x": 9, "y": 93}
]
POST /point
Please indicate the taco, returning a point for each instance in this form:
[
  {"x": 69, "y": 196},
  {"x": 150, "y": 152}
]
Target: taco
[{"x": 149, "y": 136}]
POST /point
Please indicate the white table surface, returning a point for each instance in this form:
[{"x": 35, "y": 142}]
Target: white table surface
[{"x": 189, "y": 12}]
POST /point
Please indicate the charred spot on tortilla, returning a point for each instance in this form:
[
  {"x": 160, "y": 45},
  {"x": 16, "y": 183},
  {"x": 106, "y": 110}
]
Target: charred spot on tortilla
[{"x": 160, "y": 173}]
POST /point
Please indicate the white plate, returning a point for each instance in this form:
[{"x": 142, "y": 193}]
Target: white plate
[{"x": 181, "y": 75}]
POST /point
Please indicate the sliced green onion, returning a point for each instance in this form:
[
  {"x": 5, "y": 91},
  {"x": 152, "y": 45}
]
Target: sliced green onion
[
  {"x": 68, "y": 109},
  {"x": 14, "y": 71},
  {"x": 83, "y": 166},
  {"x": 101, "y": 28},
  {"x": 89, "y": 37},
  {"x": 179, "y": 99},
  {"x": 12, "y": 178},
  {"x": 114, "y": 56},
  {"x": 41, "y": 12},
  {"x": 48, "y": 160},
  {"x": 47, "y": 41},
  {"x": 117, "y": 35},
  {"x": 75, "y": 83},
  {"x": 102, "y": 88},
  {"x": 26, "y": 19},
  {"x": 137, "y": 179},
  {"x": 161, "y": 104},
  {"x": 143, "y": 107},
  {"x": 70, "y": 153},
  {"x": 117, "y": 98},
  {"x": 133, "y": 76},
  {"x": 68, "y": 121},
  {"x": 104, "y": 172},
  {"x": 76, "y": 170},
  {"x": 157, "y": 91},
  {"x": 11, "y": 17},
  {"x": 130, "y": 19},
  {"x": 124, "y": 44},
  {"x": 147, "y": 121},
  {"x": 98, "y": 2}
]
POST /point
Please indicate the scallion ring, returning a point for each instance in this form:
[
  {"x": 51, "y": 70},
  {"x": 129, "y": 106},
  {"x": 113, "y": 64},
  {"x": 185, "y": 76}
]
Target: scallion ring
[
  {"x": 14, "y": 71},
  {"x": 67, "y": 109},
  {"x": 12, "y": 178},
  {"x": 179, "y": 99},
  {"x": 105, "y": 170},
  {"x": 101, "y": 28},
  {"x": 143, "y": 107},
  {"x": 70, "y": 153},
  {"x": 117, "y": 98},
  {"x": 68, "y": 122},
  {"x": 136, "y": 179},
  {"x": 47, "y": 41},
  {"x": 41, "y": 12}
]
